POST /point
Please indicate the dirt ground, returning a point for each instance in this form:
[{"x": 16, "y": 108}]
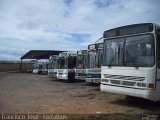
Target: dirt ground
[{"x": 29, "y": 93}]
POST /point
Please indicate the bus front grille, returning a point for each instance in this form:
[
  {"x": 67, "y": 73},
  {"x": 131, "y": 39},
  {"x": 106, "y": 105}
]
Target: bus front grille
[
  {"x": 128, "y": 83},
  {"x": 121, "y": 82},
  {"x": 115, "y": 82},
  {"x": 122, "y": 77}
]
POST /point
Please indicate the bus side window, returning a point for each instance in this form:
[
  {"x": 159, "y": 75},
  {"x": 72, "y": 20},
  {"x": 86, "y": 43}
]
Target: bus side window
[{"x": 158, "y": 41}]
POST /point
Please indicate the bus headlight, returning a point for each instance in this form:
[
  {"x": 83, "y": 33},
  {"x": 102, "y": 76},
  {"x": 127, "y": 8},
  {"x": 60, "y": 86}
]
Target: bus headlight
[
  {"x": 141, "y": 84},
  {"x": 144, "y": 85}
]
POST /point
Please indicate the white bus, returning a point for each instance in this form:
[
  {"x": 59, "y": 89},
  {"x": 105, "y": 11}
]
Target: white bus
[
  {"x": 95, "y": 59},
  {"x": 131, "y": 63},
  {"x": 66, "y": 66},
  {"x": 45, "y": 68},
  {"x": 81, "y": 64},
  {"x": 37, "y": 68},
  {"x": 52, "y": 66}
]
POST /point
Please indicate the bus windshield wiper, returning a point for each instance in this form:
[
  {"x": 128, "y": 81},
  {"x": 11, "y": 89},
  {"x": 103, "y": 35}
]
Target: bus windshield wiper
[{"x": 133, "y": 63}]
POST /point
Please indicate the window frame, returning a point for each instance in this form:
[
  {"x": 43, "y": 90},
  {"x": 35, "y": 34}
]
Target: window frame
[{"x": 124, "y": 37}]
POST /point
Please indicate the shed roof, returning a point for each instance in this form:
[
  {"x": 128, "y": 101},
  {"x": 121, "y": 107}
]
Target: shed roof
[{"x": 40, "y": 54}]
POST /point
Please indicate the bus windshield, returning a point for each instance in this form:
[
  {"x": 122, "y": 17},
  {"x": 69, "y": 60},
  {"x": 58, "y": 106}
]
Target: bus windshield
[
  {"x": 71, "y": 62},
  {"x": 45, "y": 66},
  {"x": 81, "y": 61},
  {"x": 99, "y": 57},
  {"x": 40, "y": 66},
  {"x": 92, "y": 59},
  {"x": 54, "y": 64},
  {"x": 62, "y": 63},
  {"x": 134, "y": 51}
]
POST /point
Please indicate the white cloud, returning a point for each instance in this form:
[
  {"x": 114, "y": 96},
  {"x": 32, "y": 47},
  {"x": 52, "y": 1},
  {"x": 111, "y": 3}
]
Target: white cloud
[{"x": 65, "y": 24}]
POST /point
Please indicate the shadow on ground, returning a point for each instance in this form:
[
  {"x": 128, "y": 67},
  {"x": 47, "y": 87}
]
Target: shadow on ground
[
  {"x": 138, "y": 103},
  {"x": 65, "y": 81}
]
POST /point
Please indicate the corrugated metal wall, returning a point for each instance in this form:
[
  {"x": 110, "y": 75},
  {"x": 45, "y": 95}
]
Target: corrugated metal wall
[{"x": 13, "y": 66}]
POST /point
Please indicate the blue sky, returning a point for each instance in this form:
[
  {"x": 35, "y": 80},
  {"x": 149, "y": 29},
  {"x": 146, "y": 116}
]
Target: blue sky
[{"x": 65, "y": 24}]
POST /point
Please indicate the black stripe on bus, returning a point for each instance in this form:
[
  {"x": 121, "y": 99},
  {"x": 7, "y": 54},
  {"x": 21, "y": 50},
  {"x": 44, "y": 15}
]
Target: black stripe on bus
[{"x": 124, "y": 86}]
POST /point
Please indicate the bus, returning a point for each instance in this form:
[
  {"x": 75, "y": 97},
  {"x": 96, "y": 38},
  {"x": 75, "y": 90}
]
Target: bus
[
  {"x": 95, "y": 59},
  {"x": 81, "y": 64},
  {"x": 66, "y": 66},
  {"x": 45, "y": 68},
  {"x": 131, "y": 64},
  {"x": 52, "y": 66},
  {"x": 37, "y": 68}
]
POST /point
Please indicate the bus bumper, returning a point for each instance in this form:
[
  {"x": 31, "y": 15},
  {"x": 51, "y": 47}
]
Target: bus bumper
[
  {"x": 142, "y": 93},
  {"x": 80, "y": 77},
  {"x": 93, "y": 80},
  {"x": 62, "y": 76}
]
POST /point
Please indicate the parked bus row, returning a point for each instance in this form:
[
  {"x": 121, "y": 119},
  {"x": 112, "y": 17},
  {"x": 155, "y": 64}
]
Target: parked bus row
[
  {"x": 83, "y": 65},
  {"x": 126, "y": 62}
]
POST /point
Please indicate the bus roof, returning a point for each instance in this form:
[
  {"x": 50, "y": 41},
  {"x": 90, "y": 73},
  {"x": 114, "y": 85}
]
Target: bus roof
[
  {"x": 94, "y": 46},
  {"x": 129, "y": 29},
  {"x": 82, "y": 52}
]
